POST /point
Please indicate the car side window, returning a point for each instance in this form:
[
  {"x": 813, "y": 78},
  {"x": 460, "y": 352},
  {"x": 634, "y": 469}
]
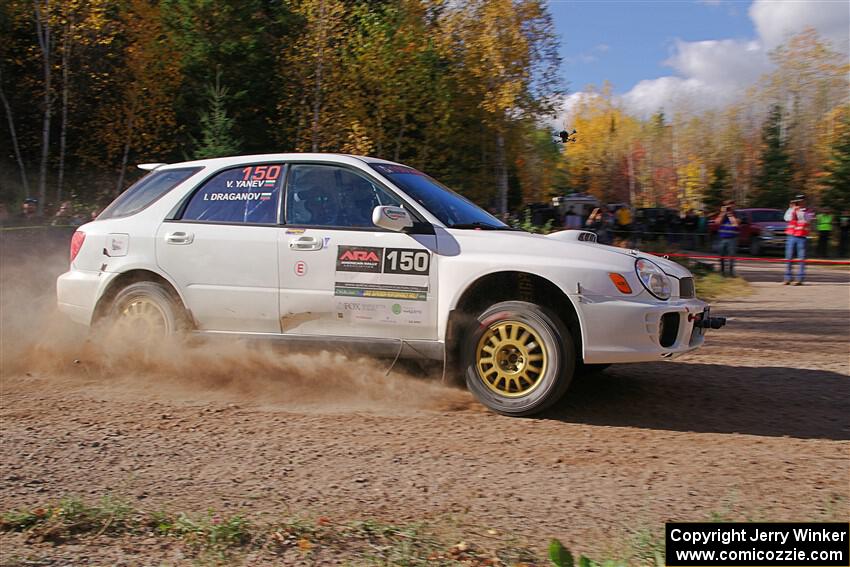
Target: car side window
[
  {"x": 326, "y": 195},
  {"x": 248, "y": 194}
]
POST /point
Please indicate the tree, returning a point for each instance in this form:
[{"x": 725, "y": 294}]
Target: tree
[
  {"x": 144, "y": 121},
  {"x": 216, "y": 126},
  {"x": 44, "y": 32},
  {"x": 836, "y": 178},
  {"x": 718, "y": 190},
  {"x": 503, "y": 46},
  {"x": 773, "y": 182}
]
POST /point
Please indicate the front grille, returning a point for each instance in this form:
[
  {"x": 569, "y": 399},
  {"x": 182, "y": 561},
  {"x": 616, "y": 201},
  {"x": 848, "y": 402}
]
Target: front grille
[{"x": 686, "y": 288}]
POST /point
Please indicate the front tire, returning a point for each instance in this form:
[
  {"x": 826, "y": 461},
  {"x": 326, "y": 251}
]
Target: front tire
[{"x": 520, "y": 359}]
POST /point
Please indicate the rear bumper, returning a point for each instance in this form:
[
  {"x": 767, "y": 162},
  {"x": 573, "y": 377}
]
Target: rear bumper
[
  {"x": 618, "y": 331},
  {"x": 77, "y": 292}
]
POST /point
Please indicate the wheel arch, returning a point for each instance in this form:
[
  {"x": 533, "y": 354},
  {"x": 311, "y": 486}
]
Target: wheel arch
[
  {"x": 509, "y": 285},
  {"x": 128, "y": 277}
]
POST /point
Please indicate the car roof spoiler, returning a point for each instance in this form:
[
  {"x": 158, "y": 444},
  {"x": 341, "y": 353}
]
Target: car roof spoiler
[{"x": 150, "y": 166}]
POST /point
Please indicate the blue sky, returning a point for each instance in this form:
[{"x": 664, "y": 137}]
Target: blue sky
[
  {"x": 704, "y": 51},
  {"x": 626, "y": 42}
]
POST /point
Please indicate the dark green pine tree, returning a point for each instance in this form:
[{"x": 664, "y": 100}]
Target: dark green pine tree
[
  {"x": 836, "y": 182},
  {"x": 718, "y": 190},
  {"x": 217, "y": 138},
  {"x": 774, "y": 179}
]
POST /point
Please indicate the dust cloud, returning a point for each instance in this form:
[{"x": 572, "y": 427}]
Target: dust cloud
[{"x": 41, "y": 347}]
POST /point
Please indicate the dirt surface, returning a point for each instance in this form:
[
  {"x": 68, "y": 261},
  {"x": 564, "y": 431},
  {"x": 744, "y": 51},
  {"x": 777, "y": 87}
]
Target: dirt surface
[{"x": 755, "y": 426}]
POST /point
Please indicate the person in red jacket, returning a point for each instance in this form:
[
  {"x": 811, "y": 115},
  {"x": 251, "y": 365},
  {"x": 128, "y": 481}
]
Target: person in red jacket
[{"x": 798, "y": 218}]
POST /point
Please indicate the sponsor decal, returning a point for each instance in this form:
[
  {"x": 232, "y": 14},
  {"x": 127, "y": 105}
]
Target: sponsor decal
[
  {"x": 394, "y": 214},
  {"x": 379, "y": 291},
  {"x": 396, "y": 308},
  {"x": 300, "y": 268},
  {"x": 359, "y": 259},
  {"x": 294, "y": 231},
  {"x": 325, "y": 241}
]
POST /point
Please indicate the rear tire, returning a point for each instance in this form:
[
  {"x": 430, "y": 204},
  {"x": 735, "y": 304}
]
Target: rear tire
[
  {"x": 148, "y": 310},
  {"x": 520, "y": 359}
]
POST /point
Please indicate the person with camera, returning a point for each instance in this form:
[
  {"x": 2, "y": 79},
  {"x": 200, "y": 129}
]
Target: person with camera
[
  {"x": 798, "y": 218},
  {"x": 727, "y": 237}
]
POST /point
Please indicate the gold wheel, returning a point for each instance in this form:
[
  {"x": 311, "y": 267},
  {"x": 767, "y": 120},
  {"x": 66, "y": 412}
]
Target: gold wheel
[
  {"x": 511, "y": 358},
  {"x": 143, "y": 317}
]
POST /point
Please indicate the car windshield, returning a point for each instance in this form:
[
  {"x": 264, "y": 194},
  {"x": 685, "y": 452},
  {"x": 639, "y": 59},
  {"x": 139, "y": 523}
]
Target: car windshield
[
  {"x": 145, "y": 191},
  {"x": 768, "y": 216},
  {"x": 450, "y": 208}
]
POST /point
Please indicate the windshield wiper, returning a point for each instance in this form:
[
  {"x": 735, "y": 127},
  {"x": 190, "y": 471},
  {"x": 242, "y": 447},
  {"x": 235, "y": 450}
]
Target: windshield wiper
[{"x": 480, "y": 225}]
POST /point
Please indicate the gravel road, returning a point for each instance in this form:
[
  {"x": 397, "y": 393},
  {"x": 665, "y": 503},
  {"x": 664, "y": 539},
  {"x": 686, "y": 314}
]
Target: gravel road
[{"x": 754, "y": 426}]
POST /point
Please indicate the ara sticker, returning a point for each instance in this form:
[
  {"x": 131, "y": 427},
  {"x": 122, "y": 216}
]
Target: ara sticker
[
  {"x": 300, "y": 268},
  {"x": 359, "y": 259}
]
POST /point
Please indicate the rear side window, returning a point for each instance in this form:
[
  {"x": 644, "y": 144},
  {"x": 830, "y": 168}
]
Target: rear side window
[
  {"x": 248, "y": 195},
  {"x": 145, "y": 191}
]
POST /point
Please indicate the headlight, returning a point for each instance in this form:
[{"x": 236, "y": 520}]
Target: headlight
[
  {"x": 766, "y": 233},
  {"x": 653, "y": 278}
]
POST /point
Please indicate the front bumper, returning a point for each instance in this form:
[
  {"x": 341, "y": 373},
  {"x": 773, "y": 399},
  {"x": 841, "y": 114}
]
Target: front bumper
[{"x": 618, "y": 330}]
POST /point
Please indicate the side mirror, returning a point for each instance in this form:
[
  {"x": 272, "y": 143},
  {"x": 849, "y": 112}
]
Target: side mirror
[{"x": 391, "y": 218}]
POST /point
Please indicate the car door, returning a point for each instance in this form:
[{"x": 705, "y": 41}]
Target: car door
[
  {"x": 341, "y": 275},
  {"x": 222, "y": 249}
]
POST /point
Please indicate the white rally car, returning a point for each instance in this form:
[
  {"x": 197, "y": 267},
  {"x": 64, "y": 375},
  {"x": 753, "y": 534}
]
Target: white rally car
[{"x": 344, "y": 250}]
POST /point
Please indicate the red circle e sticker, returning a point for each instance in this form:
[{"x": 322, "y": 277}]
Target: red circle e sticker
[{"x": 300, "y": 268}]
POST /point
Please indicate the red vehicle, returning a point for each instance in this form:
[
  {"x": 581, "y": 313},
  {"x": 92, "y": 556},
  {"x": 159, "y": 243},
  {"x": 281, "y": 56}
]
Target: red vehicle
[{"x": 761, "y": 229}]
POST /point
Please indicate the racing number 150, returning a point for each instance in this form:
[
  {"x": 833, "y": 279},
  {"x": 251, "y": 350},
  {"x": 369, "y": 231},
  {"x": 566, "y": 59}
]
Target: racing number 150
[{"x": 401, "y": 261}]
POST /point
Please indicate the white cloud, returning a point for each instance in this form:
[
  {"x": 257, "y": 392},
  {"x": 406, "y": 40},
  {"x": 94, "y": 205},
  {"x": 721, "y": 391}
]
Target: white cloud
[
  {"x": 709, "y": 74},
  {"x": 714, "y": 73},
  {"x": 776, "y": 21}
]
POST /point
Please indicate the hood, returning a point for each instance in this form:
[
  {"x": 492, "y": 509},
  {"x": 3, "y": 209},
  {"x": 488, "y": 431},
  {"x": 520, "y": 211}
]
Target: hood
[{"x": 583, "y": 238}]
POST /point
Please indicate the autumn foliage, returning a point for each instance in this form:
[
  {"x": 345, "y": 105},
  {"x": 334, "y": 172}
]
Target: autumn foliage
[{"x": 465, "y": 91}]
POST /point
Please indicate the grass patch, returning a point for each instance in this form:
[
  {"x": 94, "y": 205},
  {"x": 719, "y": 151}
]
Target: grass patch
[
  {"x": 214, "y": 538},
  {"x": 711, "y": 286}
]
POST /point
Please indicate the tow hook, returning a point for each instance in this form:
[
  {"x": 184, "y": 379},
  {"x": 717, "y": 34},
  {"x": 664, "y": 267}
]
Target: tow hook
[{"x": 710, "y": 322}]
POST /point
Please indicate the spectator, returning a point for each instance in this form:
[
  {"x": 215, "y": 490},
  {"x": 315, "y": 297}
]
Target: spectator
[
  {"x": 824, "y": 222},
  {"x": 29, "y": 212},
  {"x": 623, "y": 220},
  {"x": 843, "y": 233},
  {"x": 64, "y": 215},
  {"x": 571, "y": 219},
  {"x": 727, "y": 237},
  {"x": 798, "y": 219}
]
